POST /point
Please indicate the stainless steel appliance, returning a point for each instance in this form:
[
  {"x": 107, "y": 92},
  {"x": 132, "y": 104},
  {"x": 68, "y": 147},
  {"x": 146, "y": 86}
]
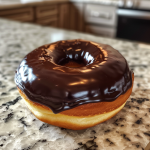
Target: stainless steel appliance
[{"x": 133, "y": 24}]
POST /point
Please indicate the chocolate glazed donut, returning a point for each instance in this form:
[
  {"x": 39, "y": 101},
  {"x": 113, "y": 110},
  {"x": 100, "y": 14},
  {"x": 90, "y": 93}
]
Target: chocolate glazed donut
[{"x": 46, "y": 78}]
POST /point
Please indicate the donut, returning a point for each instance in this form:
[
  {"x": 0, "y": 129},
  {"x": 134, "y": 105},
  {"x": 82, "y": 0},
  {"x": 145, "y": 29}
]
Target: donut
[{"x": 74, "y": 84}]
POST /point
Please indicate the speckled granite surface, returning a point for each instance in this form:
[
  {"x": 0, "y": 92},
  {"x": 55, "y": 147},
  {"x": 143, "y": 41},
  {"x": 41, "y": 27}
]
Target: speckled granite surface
[{"x": 20, "y": 130}]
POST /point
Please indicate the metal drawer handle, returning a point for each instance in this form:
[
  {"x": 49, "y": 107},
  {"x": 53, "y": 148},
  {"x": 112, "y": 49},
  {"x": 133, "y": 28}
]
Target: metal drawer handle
[
  {"x": 99, "y": 14},
  {"x": 134, "y": 13}
]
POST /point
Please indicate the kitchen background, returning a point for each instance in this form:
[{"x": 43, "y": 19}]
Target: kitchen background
[
  {"x": 114, "y": 22},
  {"x": 125, "y": 19}
]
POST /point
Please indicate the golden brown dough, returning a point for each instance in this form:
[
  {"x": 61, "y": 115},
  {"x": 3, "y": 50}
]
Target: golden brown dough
[{"x": 81, "y": 117}]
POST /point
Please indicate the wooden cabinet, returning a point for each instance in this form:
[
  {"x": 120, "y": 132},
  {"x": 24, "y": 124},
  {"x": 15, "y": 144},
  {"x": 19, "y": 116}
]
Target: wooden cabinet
[
  {"x": 91, "y": 18},
  {"x": 46, "y": 11},
  {"x": 20, "y": 14},
  {"x": 47, "y": 15},
  {"x": 49, "y": 21},
  {"x": 64, "y": 16},
  {"x": 76, "y": 16}
]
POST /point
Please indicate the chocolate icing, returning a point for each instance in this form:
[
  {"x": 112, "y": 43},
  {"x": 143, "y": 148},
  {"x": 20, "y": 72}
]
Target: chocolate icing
[{"x": 104, "y": 74}]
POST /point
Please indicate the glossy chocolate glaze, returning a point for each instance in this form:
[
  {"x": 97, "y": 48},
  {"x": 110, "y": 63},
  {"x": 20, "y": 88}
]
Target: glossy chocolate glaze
[{"x": 45, "y": 78}]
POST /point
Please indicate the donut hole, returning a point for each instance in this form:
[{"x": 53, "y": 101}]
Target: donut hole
[
  {"x": 77, "y": 54},
  {"x": 75, "y": 60}
]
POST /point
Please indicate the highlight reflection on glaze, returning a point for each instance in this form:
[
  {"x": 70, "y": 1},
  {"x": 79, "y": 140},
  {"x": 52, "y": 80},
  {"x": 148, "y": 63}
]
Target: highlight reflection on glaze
[{"x": 45, "y": 75}]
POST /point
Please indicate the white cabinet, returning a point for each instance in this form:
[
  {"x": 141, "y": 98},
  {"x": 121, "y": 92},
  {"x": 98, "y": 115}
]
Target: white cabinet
[
  {"x": 100, "y": 19},
  {"x": 101, "y": 31},
  {"x": 100, "y": 14}
]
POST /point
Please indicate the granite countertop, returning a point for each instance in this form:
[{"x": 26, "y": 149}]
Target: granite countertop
[
  {"x": 20, "y": 130},
  {"x": 18, "y": 3}
]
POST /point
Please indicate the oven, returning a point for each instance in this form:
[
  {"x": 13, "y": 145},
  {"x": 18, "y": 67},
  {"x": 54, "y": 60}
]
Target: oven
[{"x": 133, "y": 24}]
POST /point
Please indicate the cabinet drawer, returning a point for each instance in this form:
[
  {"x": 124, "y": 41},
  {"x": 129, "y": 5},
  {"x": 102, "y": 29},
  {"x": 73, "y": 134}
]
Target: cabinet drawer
[
  {"x": 50, "y": 21},
  {"x": 76, "y": 19},
  {"x": 99, "y": 14},
  {"x": 44, "y": 11},
  {"x": 102, "y": 31},
  {"x": 21, "y": 14}
]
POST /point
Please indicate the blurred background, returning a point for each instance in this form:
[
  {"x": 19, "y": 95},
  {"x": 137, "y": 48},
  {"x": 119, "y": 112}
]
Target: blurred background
[{"x": 124, "y": 19}]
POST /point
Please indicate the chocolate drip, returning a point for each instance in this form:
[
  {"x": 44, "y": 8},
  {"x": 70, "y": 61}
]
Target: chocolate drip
[{"x": 45, "y": 76}]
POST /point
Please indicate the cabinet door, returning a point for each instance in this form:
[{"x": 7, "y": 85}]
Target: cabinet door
[
  {"x": 45, "y": 11},
  {"x": 21, "y": 14},
  {"x": 102, "y": 31},
  {"x": 49, "y": 21},
  {"x": 76, "y": 19},
  {"x": 64, "y": 16},
  {"x": 100, "y": 14},
  {"x": 47, "y": 15}
]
